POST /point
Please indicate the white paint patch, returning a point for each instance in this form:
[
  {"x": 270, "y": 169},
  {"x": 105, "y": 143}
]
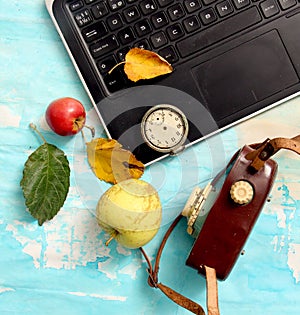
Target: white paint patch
[
  {"x": 7, "y": 118},
  {"x": 100, "y": 296},
  {"x": 281, "y": 219},
  {"x": 131, "y": 269},
  {"x": 4, "y": 290},
  {"x": 123, "y": 251},
  {"x": 108, "y": 268},
  {"x": 34, "y": 249},
  {"x": 285, "y": 206},
  {"x": 69, "y": 240},
  {"x": 294, "y": 260}
]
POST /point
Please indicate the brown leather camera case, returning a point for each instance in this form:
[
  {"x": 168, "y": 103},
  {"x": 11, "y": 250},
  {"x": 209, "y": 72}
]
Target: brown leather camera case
[{"x": 229, "y": 224}]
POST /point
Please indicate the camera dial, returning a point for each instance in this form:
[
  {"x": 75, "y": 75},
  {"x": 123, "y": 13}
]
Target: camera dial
[{"x": 241, "y": 192}]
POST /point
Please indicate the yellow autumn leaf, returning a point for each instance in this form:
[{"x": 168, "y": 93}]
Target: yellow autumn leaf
[
  {"x": 111, "y": 163},
  {"x": 141, "y": 64}
]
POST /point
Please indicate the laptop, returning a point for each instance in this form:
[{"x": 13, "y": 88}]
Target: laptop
[{"x": 231, "y": 59}]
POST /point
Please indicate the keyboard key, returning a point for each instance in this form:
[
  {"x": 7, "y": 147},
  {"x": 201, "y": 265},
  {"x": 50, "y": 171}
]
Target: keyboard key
[
  {"x": 175, "y": 31},
  {"x": 176, "y": 12},
  {"x": 217, "y": 32},
  {"x": 241, "y": 3},
  {"x": 158, "y": 39},
  {"x": 114, "y": 22},
  {"x": 148, "y": 7},
  {"x": 207, "y": 2},
  {"x": 131, "y": 14},
  {"x": 164, "y": 3},
  {"x": 104, "y": 46},
  {"x": 191, "y": 24},
  {"x": 83, "y": 18},
  {"x": 169, "y": 54},
  {"x": 126, "y": 36},
  {"x": 94, "y": 32},
  {"x": 159, "y": 19},
  {"x": 143, "y": 44},
  {"x": 76, "y": 5},
  {"x": 122, "y": 53},
  {"x": 269, "y": 8},
  {"x": 107, "y": 64},
  {"x": 116, "y": 4},
  {"x": 192, "y": 5},
  {"x": 224, "y": 8},
  {"x": 208, "y": 16},
  {"x": 286, "y": 4},
  {"x": 115, "y": 80},
  {"x": 99, "y": 10},
  {"x": 142, "y": 28}
]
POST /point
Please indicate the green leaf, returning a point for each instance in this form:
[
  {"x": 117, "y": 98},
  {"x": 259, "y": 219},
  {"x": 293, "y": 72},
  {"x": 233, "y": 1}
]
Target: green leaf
[{"x": 45, "y": 182}]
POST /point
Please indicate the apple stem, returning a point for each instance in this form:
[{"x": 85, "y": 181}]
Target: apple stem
[
  {"x": 92, "y": 129},
  {"x": 113, "y": 235},
  {"x": 33, "y": 126},
  {"x": 109, "y": 240}
]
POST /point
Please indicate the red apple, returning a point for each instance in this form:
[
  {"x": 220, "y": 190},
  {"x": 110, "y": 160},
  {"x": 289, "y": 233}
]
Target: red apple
[{"x": 66, "y": 116}]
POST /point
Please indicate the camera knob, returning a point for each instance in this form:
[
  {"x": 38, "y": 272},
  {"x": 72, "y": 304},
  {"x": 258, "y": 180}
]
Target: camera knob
[{"x": 241, "y": 192}]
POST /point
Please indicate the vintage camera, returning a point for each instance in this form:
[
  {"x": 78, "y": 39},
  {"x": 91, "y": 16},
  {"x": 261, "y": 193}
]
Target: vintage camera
[{"x": 222, "y": 215}]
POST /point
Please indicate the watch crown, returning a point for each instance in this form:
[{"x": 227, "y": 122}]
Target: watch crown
[{"x": 177, "y": 150}]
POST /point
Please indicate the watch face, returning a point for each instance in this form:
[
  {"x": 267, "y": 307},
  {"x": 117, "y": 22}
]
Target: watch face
[{"x": 164, "y": 128}]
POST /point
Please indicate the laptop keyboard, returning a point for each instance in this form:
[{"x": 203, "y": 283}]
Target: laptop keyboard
[{"x": 173, "y": 29}]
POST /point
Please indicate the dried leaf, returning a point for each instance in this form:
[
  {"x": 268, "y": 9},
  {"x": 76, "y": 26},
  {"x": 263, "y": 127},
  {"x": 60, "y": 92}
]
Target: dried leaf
[
  {"x": 144, "y": 64},
  {"x": 111, "y": 163},
  {"x": 45, "y": 182}
]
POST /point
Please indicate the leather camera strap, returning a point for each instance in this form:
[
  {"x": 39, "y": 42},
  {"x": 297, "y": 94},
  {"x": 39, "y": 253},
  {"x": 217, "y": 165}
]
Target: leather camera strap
[
  {"x": 211, "y": 281},
  {"x": 269, "y": 147}
]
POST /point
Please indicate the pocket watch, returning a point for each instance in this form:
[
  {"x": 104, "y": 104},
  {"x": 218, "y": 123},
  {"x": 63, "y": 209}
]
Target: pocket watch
[{"x": 165, "y": 128}]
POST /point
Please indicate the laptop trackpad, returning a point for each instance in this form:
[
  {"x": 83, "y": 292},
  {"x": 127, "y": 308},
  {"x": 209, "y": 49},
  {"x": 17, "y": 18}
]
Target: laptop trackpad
[{"x": 245, "y": 75}]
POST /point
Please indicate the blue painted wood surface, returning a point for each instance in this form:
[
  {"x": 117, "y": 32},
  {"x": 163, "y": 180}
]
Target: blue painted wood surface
[{"x": 64, "y": 267}]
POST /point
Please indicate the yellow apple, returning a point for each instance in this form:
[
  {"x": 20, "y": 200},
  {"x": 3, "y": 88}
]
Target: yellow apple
[{"x": 130, "y": 212}]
